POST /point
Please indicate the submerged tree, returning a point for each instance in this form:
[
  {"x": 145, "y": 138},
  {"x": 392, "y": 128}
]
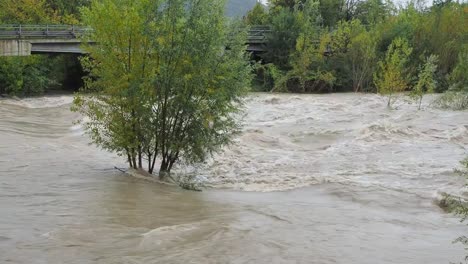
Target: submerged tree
[
  {"x": 459, "y": 206},
  {"x": 426, "y": 80},
  {"x": 166, "y": 80},
  {"x": 391, "y": 76}
]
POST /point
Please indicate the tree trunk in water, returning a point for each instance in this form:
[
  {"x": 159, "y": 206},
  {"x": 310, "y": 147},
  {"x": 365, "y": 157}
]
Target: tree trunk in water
[
  {"x": 150, "y": 170},
  {"x": 163, "y": 170},
  {"x": 134, "y": 160},
  {"x": 129, "y": 160},
  {"x": 140, "y": 159}
]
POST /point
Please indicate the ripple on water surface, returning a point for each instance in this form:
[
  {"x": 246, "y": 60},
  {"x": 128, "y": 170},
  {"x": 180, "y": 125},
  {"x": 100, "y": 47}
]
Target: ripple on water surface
[{"x": 373, "y": 174}]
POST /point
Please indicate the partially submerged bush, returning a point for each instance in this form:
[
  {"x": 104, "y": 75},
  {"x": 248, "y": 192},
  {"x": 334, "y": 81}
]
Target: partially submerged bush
[
  {"x": 190, "y": 182},
  {"x": 452, "y": 100},
  {"x": 460, "y": 206}
]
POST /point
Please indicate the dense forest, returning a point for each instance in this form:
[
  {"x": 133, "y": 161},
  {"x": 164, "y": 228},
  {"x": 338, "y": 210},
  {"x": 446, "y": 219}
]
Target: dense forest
[
  {"x": 314, "y": 46},
  {"x": 43, "y": 73},
  {"x": 363, "y": 46}
]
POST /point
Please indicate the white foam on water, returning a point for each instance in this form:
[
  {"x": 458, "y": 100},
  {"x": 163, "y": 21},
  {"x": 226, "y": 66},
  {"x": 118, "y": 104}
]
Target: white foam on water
[
  {"x": 40, "y": 102},
  {"x": 291, "y": 141}
]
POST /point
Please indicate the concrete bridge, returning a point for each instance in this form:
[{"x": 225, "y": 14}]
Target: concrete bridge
[{"x": 24, "y": 40}]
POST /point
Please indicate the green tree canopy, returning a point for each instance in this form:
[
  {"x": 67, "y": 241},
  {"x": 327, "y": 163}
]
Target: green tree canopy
[
  {"x": 167, "y": 80},
  {"x": 391, "y": 76}
]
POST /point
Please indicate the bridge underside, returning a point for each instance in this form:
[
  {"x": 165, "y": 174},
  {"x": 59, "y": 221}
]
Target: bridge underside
[
  {"x": 18, "y": 47},
  {"x": 24, "y": 40}
]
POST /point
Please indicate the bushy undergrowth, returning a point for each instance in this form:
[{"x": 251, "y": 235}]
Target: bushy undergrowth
[
  {"x": 452, "y": 101},
  {"x": 460, "y": 206}
]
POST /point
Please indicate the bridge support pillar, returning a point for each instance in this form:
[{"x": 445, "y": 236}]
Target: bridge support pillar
[{"x": 15, "y": 48}]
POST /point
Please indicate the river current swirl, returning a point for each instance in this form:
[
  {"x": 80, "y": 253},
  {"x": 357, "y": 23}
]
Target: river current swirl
[{"x": 333, "y": 178}]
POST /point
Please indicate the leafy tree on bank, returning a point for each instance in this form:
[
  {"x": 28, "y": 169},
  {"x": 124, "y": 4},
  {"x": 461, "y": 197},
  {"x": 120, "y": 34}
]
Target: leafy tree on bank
[
  {"x": 456, "y": 98},
  {"x": 164, "y": 86},
  {"x": 257, "y": 16},
  {"x": 391, "y": 77},
  {"x": 354, "y": 54},
  {"x": 69, "y": 10},
  {"x": 281, "y": 42},
  {"x": 426, "y": 82},
  {"x": 440, "y": 30},
  {"x": 458, "y": 79},
  {"x": 26, "y": 12},
  {"x": 307, "y": 51}
]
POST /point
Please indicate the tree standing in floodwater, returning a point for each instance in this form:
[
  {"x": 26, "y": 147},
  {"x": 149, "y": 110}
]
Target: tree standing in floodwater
[
  {"x": 162, "y": 84},
  {"x": 391, "y": 77},
  {"x": 426, "y": 81}
]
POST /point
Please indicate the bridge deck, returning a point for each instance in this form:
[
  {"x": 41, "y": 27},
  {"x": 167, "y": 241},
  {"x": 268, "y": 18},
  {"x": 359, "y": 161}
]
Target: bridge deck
[
  {"x": 33, "y": 34},
  {"x": 41, "y": 31}
]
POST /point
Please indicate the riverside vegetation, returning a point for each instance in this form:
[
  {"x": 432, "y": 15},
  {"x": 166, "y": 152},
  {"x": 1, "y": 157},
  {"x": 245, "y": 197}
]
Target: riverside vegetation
[
  {"x": 166, "y": 82},
  {"x": 161, "y": 84},
  {"x": 169, "y": 80},
  {"x": 39, "y": 74},
  {"x": 365, "y": 46}
]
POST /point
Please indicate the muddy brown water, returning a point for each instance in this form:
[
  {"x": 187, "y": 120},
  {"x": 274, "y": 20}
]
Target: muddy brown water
[{"x": 313, "y": 179}]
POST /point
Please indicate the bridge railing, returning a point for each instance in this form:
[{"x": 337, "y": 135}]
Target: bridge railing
[
  {"x": 256, "y": 34},
  {"x": 41, "y": 31}
]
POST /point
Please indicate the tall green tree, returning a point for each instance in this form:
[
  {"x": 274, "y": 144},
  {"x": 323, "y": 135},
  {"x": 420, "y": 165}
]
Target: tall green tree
[
  {"x": 391, "y": 77},
  {"x": 307, "y": 60},
  {"x": 354, "y": 54},
  {"x": 26, "y": 12},
  {"x": 458, "y": 78},
  {"x": 257, "y": 16},
  {"x": 426, "y": 80},
  {"x": 167, "y": 80},
  {"x": 281, "y": 42}
]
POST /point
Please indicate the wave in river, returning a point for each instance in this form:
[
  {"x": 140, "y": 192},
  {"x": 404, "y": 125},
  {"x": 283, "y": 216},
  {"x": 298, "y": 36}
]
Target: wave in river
[{"x": 292, "y": 141}]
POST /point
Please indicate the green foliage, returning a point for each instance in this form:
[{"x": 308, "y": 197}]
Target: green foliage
[
  {"x": 353, "y": 36},
  {"x": 34, "y": 74},
  {"x": 164, "y": 86},
  {"x": 269, "y": 78},
  {"x": 452, "y": 100},
  {"x": 282, "y": 39},
  {"x": 459, "y": 206},
  {"x": 457, "y": 97},
  {"x": 27, "y": 75},
  {"x": 305, "y": 69},
  {"x": 458, "y": 79},
  {"x": 354, "y": 54},
  {"x": 332, "y": 11},
  {"x": 307, "y": 51},
  {"x": 277, "y": 5},
  {"x": 426, "y": 82},
  {"x": 391, "y": 76},
  {"x": 257, "y": 16},
  {"x": 335, "y": 48},
  {"x": 26, "y": 12},
  {"x": 372, "y": 12}
]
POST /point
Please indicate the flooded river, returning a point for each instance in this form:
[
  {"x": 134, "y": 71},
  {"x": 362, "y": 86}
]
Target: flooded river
[{"x": 313, "y": 179}]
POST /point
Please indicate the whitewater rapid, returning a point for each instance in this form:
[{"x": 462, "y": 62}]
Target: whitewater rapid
[{"x": 292, "y": 141}]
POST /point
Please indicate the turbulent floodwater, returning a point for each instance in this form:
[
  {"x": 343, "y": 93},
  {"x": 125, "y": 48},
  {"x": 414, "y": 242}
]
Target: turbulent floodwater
[{"x": 359, "y": 185}]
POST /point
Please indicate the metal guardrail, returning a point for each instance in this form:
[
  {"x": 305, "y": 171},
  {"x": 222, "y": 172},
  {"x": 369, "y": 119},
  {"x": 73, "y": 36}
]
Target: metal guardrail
[
  {"x": 41, "y": 31},
  {"x": 256, "y": 34}
]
